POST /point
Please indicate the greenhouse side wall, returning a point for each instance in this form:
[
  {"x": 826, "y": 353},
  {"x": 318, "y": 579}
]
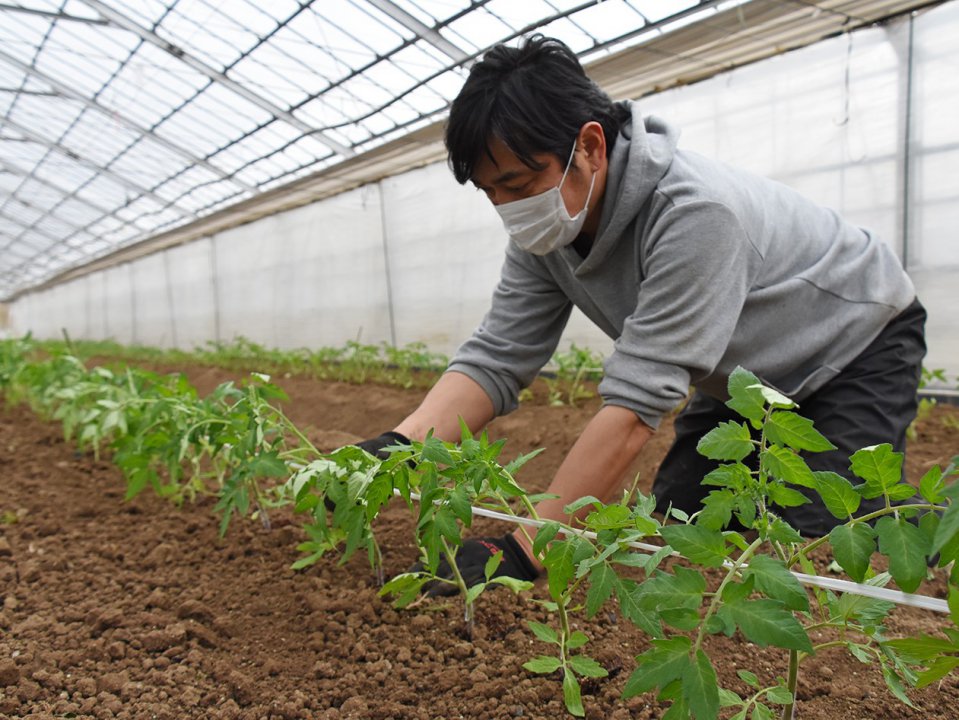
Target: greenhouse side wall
[{"x": 863, "y": 123}]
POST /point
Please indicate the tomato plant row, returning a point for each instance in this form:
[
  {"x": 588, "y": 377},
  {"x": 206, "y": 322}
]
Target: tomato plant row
[{"x": 237, "y": 444}]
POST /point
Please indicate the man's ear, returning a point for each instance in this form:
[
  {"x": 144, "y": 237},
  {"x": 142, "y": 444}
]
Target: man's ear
[{"x": 593, "y": 141}]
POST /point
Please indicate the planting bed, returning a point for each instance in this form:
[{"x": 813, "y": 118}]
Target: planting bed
[{"x": 138, "y": 610}]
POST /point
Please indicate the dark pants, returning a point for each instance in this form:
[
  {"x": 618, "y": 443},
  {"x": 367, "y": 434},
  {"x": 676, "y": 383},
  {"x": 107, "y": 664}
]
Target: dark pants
[{"x": 872, "y": 401}]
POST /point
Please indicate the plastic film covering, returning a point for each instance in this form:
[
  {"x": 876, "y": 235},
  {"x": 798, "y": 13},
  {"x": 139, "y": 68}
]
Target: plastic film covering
[
  {"x": 862, "y": 123},
  {"x": 190, "y": 294},
  {"x": 310, "y": 277}
]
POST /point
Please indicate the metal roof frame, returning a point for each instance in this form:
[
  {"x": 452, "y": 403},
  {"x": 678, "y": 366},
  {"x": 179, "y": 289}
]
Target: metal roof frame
[{"x": 322, "y": 125}]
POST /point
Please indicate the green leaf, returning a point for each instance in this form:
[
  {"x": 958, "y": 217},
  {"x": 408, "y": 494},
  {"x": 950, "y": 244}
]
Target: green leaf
[
  {"x": 860, "y": 652},
  {"x": 777, "y": 582},
  {"x": 446, "y": 525},
  {"x": 748, "y": 678},
  {"x": 923, "y": 648},
  {"x": 728, "y": 441},
  {"x": 735, "y": 592},
  {"x": 717, "y": 510},
  {"x": 630, "y": 596},
  {"x": 544, "y": 536},
  {"x": 700, "y": 545},
  {"x": 776, "y": 399},
  {"x": 906, "y": 547},
  {"x": 577, "y": 639},
  {"x": 459, "y": 503},
  {"x": 838, "y": 494},
  {"x": 767, "y": 622},
  {"x": 268, "y": 465},
  {"x": 784, "y": 464},
  {"x": 514, "y": 584},
  {"x": 434, "y": 450},
  {"x": 473, "y": 592},
  {"x": 780, "y": 695},
  {"x": 684, "y": 619},
  {"x": 783, "y": 532},
  {"x": 894, "y": 683},
  {"x": 561, "y": 562},
  {"x": 745, "y": 396},
  {"x": 544, "y": 632},
  {"x": 901, "y": 491},
  {"x": 515, "y": 464},
  {"x": 700, "y": 689},
  {"x": 668, "y": 591},
  {"x": 679, "y": 710},
  {"x": 948, "y": 527},
  {"x": 571, "y": 695},
  {"x": 734, "y": 476},
  {"x": 663, "y": 663},
  {"x": 580, "y": 503},
  {"x": 404, "y": 588},
  {"x": 727, "y": 698},
  {"x": 544, "y": 664},
  {"x": 953, "y": 602},
  {"x": 931, "y": 485},
  {"x": 492, "y": 564},
  {"x": 795, "y": 431},
  {"x": 784, "y": 496},
  {"x": 865, "y": 610},
  {"x": 853, "y": 546},
  {"x": 879, "y": 466},
  {"x": 601, "y": 582},
  {"x": 587, "y": 667},
  {"x": 937, "y": 670}
]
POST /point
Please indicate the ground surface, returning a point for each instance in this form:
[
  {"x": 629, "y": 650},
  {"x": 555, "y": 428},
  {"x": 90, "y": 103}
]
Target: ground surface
[{"x": 138, "y": 610}]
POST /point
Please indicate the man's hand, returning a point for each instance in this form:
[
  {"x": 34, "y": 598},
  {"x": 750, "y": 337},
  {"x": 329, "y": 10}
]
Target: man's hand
[
  {"x": 471, "y": 561},
  {"x": 376, "y": 446}
]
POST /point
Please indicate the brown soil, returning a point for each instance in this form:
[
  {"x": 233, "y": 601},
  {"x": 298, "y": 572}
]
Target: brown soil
[{"x": 116, "y": 609}]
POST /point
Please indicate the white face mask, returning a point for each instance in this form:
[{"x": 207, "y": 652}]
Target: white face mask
[{"x": 541, "y": 223}]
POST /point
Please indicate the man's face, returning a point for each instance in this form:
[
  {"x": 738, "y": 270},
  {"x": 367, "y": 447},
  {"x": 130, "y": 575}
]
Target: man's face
[{"x": 505, "y": 178}]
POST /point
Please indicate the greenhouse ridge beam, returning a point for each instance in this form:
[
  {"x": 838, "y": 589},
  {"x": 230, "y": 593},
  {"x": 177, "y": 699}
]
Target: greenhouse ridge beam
[
  {"x": 423, "y": 31},
  {"x": 122, "y": 21},
  {"x": 53, "y": 15}
]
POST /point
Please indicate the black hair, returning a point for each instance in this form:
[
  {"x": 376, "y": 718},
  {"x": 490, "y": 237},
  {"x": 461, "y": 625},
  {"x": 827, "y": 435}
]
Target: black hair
[{"x": 534, "y": 98}]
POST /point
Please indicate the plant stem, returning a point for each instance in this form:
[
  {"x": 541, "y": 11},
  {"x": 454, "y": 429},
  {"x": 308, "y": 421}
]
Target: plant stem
[
  {"x": 460, "y": 583},
  {"x": 564, "y": 627},
  {"x": 714, "y": 603},
  {"x": 789, "y": 711}
]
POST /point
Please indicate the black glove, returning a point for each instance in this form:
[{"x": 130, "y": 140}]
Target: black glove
[
  {"x": 471, "y": 560},
  {"x": 375, "y": 445}
]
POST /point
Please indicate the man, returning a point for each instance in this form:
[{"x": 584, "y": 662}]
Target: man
[{"x": 692, "y": 267}]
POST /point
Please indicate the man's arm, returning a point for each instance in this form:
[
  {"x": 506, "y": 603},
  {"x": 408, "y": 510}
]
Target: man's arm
[
  {"x": 455, "y": 395},
  {"x": 594, "y": 466}
]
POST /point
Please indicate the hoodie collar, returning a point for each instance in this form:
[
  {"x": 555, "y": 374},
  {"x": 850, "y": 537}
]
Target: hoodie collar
[{"x": 641, "y": 155}]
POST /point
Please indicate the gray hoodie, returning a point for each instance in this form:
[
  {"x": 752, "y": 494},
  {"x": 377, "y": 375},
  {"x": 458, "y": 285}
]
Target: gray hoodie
[{"x": 696, "y": 268}]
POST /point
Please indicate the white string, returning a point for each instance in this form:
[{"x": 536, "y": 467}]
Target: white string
[{"x": 879, "y": 593}]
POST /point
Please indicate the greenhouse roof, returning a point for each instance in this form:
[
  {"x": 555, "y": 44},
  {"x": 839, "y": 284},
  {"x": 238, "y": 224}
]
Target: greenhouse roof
[{"x": 127, "y": 125}]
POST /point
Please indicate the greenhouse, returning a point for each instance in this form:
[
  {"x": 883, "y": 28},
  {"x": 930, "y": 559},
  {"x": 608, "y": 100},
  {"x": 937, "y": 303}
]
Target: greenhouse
[{"x": 479, "y": 359}]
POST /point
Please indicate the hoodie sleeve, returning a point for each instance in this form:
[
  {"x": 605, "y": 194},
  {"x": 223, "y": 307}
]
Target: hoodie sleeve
[
  {"x": 519, "y": 334},
  {"x": 698, "y": 267}
]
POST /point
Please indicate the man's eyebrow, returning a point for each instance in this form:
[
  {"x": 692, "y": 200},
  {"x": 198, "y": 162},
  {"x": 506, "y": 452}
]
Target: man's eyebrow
[{"x": 505, "y": 177}]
